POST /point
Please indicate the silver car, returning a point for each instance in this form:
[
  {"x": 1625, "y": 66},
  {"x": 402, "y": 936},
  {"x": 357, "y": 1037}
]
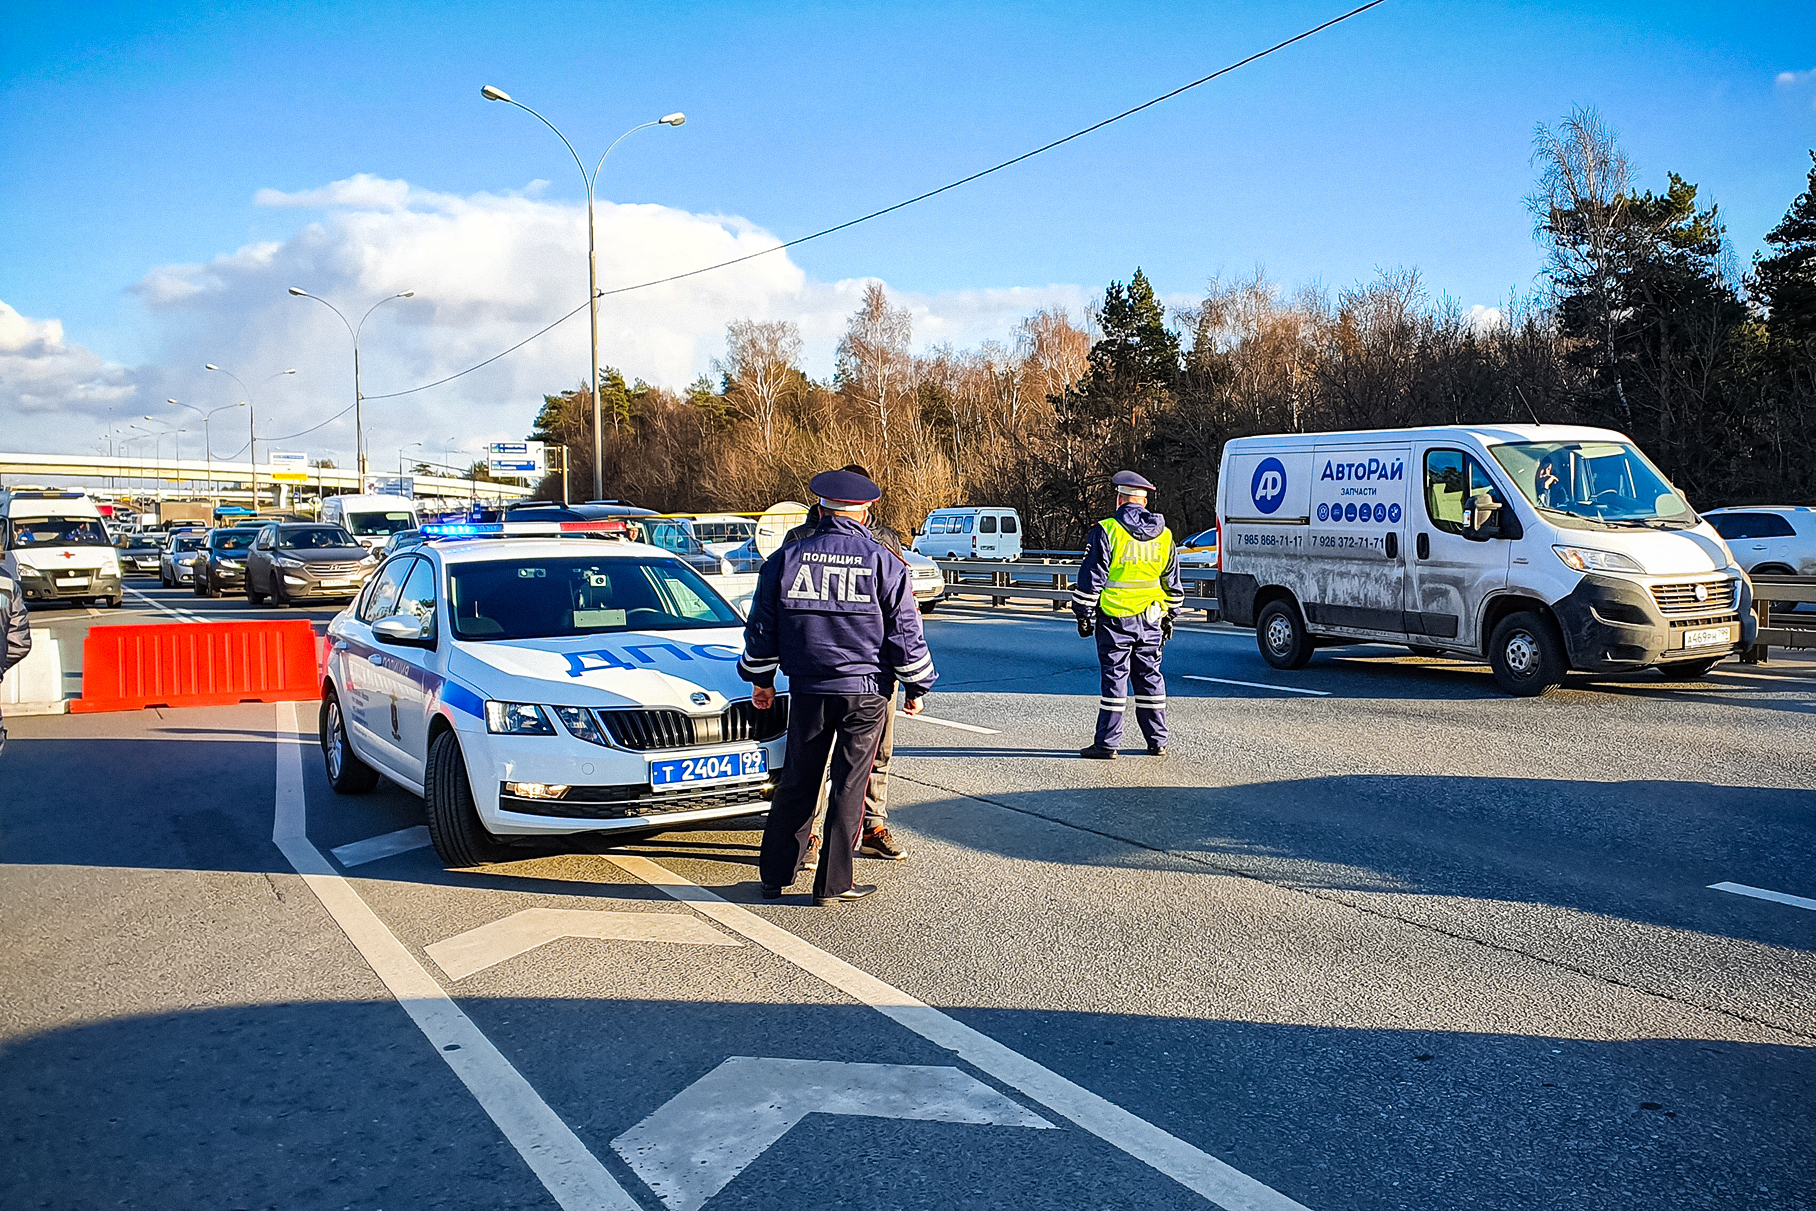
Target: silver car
[{"x": 174, "y": 565}]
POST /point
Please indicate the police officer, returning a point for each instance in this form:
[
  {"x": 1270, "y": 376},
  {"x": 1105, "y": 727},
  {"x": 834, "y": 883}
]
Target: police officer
[
  {"x": 836, "y": 612},
  {"x": 15, "y": 627},
  {"x": 877, "y": 841},
  {"x": 1127, "y": 592}
]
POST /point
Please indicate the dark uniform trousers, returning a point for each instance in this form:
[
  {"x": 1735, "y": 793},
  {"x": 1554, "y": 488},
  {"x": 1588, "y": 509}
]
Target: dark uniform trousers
[
  {"x": 1128, "y": 657},
  {"x": 848, "y": 728}
]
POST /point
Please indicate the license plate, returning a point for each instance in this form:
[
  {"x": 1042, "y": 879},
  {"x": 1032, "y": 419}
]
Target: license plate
[
  {"x": 337, "y": 584},
  {"x": 71, "y": 582},
  {"x": 1708, "y": 637},
  {"x": 720, "y": 767}
]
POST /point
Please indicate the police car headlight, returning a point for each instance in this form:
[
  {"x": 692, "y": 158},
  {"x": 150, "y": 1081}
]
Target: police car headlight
[
  {"x": 1591, "y": 559},
  {"x": 579, "y": 721},
  {"x": 517, "y": 719}
]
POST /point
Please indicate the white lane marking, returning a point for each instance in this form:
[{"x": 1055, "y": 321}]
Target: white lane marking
[
  {"x": 358, "y": 853},
  {"x": 698, "y": 1140},
  {"x": 477, "y": 949},
  {"x": 1196, "y": 1170},
  {"x": 1257, "y": 685},
  {"x": 963, "y": 727},
  {"x": 571, "y": 1174},
  {"x": 160, "y": 607},
  {"x": 1760, "y": 893}
]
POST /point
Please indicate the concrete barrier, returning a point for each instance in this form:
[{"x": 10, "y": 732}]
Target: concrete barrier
[{"x": 34, "y": 686}]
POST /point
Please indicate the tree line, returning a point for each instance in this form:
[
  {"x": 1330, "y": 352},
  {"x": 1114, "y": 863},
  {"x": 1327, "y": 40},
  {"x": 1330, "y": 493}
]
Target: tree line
[{"x": 1641, "y": 323}]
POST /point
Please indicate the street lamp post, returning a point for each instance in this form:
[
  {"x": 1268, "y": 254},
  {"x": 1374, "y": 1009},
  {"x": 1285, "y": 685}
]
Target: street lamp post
[
  {"x": 252, "y": 420},
  {"x": 207, "y": 439},
  {"x": 592, "y": 263},
  {"x": 400, "y": 458},
  {"x": 359, "y": 422}
]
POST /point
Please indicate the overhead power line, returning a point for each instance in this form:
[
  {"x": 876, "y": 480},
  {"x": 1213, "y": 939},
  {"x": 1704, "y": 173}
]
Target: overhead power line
[{"x": 919, "y": 197}]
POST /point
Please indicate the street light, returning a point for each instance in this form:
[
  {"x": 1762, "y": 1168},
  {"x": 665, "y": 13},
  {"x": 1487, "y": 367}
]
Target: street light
[
  {"x": 400, "y": 458},
  {"x": 252, "y": 420},
  {"x": 207, "y": 440},
  {"x": 592, "y": 264},
  {"x": 359, "y": 423}
]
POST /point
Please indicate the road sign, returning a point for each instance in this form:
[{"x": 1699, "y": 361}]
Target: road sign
[
  {"x": 477, "y": 949},
  {"x": 289, "y": 468},
  {"x": 515, "y": 458},
  {"x": 691, "y": 1148}
]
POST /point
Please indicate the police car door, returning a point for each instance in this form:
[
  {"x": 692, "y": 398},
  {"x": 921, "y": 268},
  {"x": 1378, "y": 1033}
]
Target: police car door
[
  {"x": 1452, "y": 576},
  {"x": 369, "y": 683},
  {"x": 1358, "y": 529},
  {"x": 411, "y": 678}
]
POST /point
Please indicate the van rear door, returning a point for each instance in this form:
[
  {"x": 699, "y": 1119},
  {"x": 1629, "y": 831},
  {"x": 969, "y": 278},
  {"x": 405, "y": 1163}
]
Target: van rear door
[
  {"x": 989, "y": 538},
  {"x": 1358, "y": 529}
]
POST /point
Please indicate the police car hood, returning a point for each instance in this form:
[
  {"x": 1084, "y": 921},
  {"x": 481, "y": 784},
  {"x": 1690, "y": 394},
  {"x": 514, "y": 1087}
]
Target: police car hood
[
  {"x": 628, "y": 668},
  {"x": 1141, "y": 524}
]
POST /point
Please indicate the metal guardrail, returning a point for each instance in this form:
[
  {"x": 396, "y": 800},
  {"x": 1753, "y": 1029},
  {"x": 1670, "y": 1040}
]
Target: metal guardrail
[
  {"x": 1051, "y": 580},
  {"x": 1777, "y": 628}
]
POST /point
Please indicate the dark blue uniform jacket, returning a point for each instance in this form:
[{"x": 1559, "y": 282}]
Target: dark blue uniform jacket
[{"x": 836, "y": 612}]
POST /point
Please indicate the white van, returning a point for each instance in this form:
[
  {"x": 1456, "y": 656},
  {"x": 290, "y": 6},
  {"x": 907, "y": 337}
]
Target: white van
[
  {"x": 970, "y": 533},
  {"x": 57, "y": 543},
  {"x": 371, "y": 519},
  {"x": 1543, "y": 548}
]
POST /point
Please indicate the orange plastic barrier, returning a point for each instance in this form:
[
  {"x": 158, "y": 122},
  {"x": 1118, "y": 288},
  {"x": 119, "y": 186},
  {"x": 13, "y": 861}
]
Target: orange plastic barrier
[{"x": 126, "y": 668}]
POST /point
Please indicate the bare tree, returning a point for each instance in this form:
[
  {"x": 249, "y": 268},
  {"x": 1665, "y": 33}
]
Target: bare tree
[
  {"x": 1579, "y": 211},
  {"x": 874, "y": 366},
  {"x": 761, "y": 370}
]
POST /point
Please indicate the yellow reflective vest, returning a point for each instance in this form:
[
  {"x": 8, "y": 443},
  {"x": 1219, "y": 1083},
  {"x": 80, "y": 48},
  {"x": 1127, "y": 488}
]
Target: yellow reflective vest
[{"x": 1136, "y": 566}]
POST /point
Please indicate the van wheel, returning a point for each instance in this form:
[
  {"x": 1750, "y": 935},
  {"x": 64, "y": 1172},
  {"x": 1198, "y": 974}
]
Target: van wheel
[
  {"x": 459, "y": 838},
  {"x": 1686, "y": 670},
  {"x": 1281, "y": 636},
  {"x": 927, "y": 607},
  {"x": 347, "y": 774},
  {"x": 1527, "y": 655}
]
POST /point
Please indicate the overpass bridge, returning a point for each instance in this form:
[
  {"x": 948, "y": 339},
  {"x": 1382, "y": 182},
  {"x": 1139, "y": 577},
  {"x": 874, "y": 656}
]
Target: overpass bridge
[{"x": 147, "y": 478}]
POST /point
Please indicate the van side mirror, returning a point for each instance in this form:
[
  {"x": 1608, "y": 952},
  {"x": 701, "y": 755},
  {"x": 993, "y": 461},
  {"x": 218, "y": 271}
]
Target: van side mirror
[{"x": 1481, "y": 518}]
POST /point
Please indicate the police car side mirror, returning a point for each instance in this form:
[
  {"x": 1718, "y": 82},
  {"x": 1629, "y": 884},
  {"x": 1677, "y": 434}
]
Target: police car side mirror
[
  {"x": 1481, "y": 518},
  {"x": 402, "y": 629}
]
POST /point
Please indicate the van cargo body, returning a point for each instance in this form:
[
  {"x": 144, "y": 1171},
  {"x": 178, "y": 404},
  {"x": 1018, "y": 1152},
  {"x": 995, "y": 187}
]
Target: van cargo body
[
  {"x": 1540, "y": 547},
  {"x": 58, "y": 545}
]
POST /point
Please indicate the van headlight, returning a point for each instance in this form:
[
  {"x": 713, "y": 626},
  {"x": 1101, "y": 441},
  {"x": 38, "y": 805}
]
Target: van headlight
[
  {"x": 517, "y": 719},
  {"x": 1592, "y": 559}
]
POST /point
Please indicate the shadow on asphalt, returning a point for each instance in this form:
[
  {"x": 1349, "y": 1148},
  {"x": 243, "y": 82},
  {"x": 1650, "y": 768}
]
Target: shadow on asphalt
[{"x": 327, "y": 1105}]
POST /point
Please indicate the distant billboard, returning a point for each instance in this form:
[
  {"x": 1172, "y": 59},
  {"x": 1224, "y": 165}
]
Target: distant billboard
[
  {"x": 515, "y": 458},
  {"x": 289, "y": 468},
  {"x": 389, "y": 485}
]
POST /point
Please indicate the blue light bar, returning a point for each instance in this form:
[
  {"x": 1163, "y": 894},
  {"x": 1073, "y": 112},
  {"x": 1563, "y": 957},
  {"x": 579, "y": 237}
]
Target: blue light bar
[{"x": 461, "y": 529}]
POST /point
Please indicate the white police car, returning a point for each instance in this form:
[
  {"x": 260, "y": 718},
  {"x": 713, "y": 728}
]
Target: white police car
[{"x": 527, "y": 682}]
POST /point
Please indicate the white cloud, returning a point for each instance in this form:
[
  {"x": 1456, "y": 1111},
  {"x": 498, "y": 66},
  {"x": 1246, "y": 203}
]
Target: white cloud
[
  {"x": 1791, "y": 79},
  {"x": 488, "y": 271},
  {"x": 1484, "y": 319}
]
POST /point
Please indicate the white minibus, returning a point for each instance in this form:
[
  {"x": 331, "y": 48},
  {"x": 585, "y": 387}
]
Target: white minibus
[
  {"x": 1542, "y": 548},
  {"x": 370, "y": 519},
  {"x": 970, "y": 533},
  {"x": 58, "y": 545}
]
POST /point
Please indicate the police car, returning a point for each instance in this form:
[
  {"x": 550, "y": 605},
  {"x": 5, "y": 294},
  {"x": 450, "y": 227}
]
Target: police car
[{"x": 536, "y": 679}]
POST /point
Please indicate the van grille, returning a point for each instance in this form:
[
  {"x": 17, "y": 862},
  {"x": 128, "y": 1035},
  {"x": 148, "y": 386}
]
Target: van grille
[{"x": 1680, "y": 597}]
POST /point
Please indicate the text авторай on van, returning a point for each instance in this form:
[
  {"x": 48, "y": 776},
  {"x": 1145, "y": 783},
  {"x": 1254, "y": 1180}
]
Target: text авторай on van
[{"x": 1544, "y": 548}]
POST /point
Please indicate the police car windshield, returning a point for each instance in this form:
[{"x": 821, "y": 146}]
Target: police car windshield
[
  {"x": 58, "y": 532},
  {"x": 1607, "y": 482},
  {"x": 580, "y": 595}
]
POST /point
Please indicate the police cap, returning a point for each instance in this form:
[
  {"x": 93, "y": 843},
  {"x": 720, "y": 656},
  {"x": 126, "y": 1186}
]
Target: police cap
[
  {"x": 844, "y": 488},
  {"x": 1128, "y": 479}
]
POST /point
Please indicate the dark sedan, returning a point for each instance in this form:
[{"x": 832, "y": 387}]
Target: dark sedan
[
  {"x": 294, "y": 561},
  {"x": 221, "y": 563},
  {"x": 139, "y": 553}
]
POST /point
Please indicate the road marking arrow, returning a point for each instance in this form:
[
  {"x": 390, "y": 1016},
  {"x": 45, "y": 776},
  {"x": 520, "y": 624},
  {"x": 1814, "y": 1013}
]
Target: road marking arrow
[
  {"x": 477, "y": 949},
  {"x": 691, "y": 1148}
]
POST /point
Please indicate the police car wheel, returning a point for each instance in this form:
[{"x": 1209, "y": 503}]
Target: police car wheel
[
  {"x": 347, "y": 774},
  {"x": 1527, "y": 655},
  {"x": 1281, "y": 636},
  {"x": 459, "y": 838}
]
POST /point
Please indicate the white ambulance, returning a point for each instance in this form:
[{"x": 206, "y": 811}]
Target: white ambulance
[
  {"x": 58, "y": 544},
  {"x": 1543, "y": 548}
]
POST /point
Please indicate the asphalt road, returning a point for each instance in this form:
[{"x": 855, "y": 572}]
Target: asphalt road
[{"x": 1391, "y": 940}]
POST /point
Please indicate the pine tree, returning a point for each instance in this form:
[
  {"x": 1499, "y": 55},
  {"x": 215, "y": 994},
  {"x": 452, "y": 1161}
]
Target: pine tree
[{"x": 1785, "y": 282}]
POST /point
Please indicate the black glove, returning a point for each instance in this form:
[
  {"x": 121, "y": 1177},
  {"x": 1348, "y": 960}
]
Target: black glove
[
  {"x": 1086, "y": 626},
  {"x": 1166, "y": 628}
]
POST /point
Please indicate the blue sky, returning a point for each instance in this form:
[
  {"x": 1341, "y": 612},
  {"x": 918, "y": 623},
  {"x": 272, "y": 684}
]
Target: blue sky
[{"x": 134, "y": 136}]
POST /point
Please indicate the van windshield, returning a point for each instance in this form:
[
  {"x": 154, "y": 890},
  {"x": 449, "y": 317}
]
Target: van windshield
[
  {"x": 554, "y": 598},
  {"x": 57, "y": 532},
  {"x": 374, "y": 525},
  {"x": 1610, "y": 483}
]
